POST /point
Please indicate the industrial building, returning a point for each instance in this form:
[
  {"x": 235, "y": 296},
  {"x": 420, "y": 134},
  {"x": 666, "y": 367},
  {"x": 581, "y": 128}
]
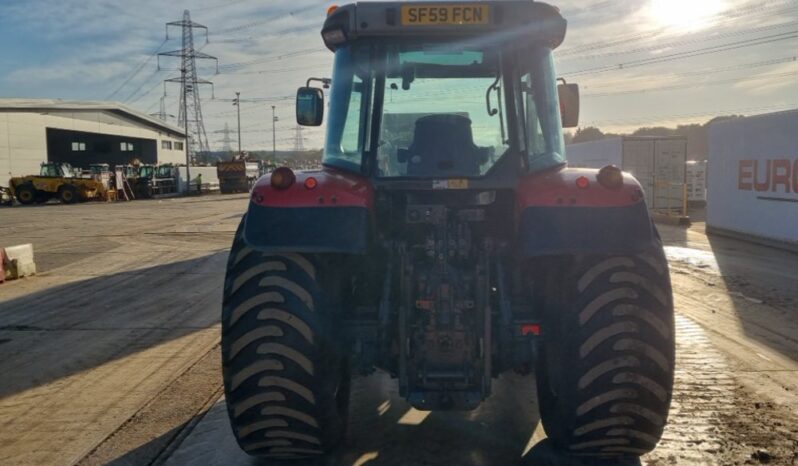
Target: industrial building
[{"x": 81, "y": 133}]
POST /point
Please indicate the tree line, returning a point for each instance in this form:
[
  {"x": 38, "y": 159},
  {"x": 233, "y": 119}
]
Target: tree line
[{"x": 697, "y": 135}]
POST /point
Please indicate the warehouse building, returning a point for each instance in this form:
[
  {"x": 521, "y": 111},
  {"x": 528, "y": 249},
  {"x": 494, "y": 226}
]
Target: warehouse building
[{"x": 82, "y": 133}]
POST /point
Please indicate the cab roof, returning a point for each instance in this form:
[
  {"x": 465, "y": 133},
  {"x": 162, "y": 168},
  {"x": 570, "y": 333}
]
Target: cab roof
[{"x": 507, "y": 21}]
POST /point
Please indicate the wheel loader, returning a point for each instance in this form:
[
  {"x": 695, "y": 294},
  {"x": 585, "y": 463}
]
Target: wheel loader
[
  {"x": 56, "y": 180},
  {"x": 445, "y": 242}
]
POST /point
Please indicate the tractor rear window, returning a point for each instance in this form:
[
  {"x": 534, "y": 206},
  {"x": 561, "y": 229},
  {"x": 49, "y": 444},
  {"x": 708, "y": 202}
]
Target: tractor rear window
[
  {"x": 435, "y": 119},
  {"x": 442, "y": 109}
]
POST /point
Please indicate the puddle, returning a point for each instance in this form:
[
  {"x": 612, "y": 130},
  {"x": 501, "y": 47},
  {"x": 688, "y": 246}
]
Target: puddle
[{"x": 694, "y": 257}]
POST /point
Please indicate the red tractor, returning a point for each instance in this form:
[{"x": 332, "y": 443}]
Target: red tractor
[{"x": 445, "y": 241}]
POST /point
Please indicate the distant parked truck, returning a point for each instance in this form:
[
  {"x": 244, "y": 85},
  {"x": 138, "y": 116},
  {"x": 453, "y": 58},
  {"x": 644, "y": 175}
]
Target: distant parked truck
[
  {"x": 238, "y": 175},
  {"x": 659, "y": 163},
  {"x": 753, "y": 178}
]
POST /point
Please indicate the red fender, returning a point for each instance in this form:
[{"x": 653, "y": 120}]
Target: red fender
[
  {"x": 559, "y": 188},
  {"x": 325, "y": 211},
  {"x": 333, "y": 188}
]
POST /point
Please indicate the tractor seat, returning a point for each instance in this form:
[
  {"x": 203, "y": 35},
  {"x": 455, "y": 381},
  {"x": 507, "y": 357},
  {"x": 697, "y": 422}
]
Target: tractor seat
[{"x": 443, "y": 145}]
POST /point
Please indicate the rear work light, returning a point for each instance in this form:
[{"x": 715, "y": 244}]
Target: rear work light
[
  {"x": 283, "y": 178},
  {"x": 334, "y": 36},
  {"x": 611, "y": 177}
]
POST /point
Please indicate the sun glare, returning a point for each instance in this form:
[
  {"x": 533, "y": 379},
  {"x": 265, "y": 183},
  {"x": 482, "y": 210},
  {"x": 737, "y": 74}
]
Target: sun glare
[{"x": 686, "y": 14}]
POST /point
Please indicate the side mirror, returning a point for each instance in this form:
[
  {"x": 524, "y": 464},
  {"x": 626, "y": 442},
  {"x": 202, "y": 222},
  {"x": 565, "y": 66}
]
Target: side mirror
[
  {"x": 309, "y": 106},
  {"x": 569, "y": 104}
]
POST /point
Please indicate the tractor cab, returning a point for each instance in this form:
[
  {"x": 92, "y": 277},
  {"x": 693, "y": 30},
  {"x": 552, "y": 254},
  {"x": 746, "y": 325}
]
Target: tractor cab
[
  {"x": 56, "y": 170},
  {"x": 129, "y": 171},
  {"x": 147, "y": 171},
  {"x": 165, "y": 172},
  {"x": 429, "y": 91}
]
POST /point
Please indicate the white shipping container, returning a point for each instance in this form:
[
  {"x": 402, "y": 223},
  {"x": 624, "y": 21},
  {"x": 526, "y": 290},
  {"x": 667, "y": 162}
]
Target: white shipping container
[
  {"x": 658, "y": 163},
  {"x": 753, "y": 177},
  {"x": 697, "y": 181}
]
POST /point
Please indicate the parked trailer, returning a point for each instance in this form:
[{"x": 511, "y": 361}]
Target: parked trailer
[
  {"x": 753, "y": 178},
  {"x": 659, "y": 163}
]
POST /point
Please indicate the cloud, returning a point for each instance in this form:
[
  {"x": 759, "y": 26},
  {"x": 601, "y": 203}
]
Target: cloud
[{"x": 87, "y": 49}]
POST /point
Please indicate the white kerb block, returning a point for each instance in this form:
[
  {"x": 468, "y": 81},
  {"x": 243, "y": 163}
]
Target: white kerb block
[{"x": 20, "y": 261}]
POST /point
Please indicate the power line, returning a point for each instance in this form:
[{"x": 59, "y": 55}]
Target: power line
[
  {"x": 270, "y": 58},
  {"x": 756, "y": 5},
  {"x": 700, "y": 72},
  {"x": 143, "y": 83},
  {"x": 220, "y": 5},
  {"x": 314, "y": 66},
  {"x": 687, "y": 54},
  {"x": 136, "y": 71},
  {"x": 680, "y": 43},
  {"x": 242, "y": 27},
  {"x": 692, "y": 86}
]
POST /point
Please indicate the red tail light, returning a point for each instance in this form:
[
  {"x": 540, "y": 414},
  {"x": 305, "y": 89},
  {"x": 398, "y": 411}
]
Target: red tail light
[
  {"x": 283, "y": 178},
  {"x": 530, "y": 329},
  {"x": 311, "y": 183},
  {"x": 582, "y": 182}
]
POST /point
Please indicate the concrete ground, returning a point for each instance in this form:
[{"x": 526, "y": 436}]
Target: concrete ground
[{"x": 110, "y": 355}]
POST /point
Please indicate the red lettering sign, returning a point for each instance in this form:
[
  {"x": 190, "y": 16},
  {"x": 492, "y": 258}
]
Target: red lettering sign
[
  {"x": 762, "y": 186},
  {"x": 795, "y": 177},
  {"x": 746, "y": 176},
  {"x": 781, "y": 175}
]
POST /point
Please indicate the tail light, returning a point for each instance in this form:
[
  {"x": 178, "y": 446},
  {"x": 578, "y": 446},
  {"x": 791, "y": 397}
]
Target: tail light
[
  {"x": 610, "y": 177},
  {"x": 283, "y": 178}
]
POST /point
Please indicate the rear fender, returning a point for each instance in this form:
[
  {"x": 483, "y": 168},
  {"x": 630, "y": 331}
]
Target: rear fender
[
  {"x": 557, "y": 217},
  {"x": 335, "y": 216}
]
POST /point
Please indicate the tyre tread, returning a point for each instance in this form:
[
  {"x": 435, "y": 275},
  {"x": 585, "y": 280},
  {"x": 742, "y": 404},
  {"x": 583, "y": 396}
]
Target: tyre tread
[{"x": 276, "y": 365}]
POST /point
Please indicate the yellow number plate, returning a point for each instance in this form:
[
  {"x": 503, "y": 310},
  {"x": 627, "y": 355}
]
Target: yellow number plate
[
  {"x": 450, "y": 184},
  {"x": 434, "y": 15}
]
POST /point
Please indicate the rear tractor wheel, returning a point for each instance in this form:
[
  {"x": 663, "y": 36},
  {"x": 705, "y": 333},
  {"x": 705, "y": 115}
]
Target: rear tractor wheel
[
  {"x": 286, "y": 379},
  {"x": 606, "y": 370},
  {"x": 68, "y": 194}
]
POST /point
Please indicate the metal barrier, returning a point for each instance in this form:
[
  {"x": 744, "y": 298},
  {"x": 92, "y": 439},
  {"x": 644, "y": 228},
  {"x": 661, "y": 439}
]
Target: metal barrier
[{"x": 670, "y": 198}]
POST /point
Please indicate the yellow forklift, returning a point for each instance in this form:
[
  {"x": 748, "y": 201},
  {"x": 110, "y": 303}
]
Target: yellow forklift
[{"x": 59, "y": 181}]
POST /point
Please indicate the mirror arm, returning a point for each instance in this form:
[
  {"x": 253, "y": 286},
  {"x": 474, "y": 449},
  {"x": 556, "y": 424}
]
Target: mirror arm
[{"x": 324, "y": 81}]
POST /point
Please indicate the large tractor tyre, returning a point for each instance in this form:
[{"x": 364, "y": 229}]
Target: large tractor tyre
[
  {"x": 606, "y": 368},
  {"x": 26, "y": 194},
  {"x": 68, "y": 194},
  {"x": 286, "y": 378}
]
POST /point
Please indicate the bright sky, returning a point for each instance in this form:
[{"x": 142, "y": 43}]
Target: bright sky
[{"x": 639, "y": 62}]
